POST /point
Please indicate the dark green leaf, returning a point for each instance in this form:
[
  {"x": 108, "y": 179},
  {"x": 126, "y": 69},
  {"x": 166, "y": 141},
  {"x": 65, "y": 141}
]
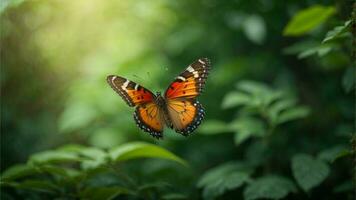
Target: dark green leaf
[
  {"x": 309, "y": 172},
  {"x": 218, "y": 180},
  {"x": 226, "y": 182},
  {"x": 269, "y": 187},
  {"x": 215, "y": 173},
  {"x": 36, "y": 185},
  {"x": 247, "y": 127},
  {"x": 174, "y": 196},
  {"x": 348, "y": 79},
  {"x": 308, "y": 19},
  {"x": 346, "y": 186},
  {"x": 329, "y": 155},
  {"x": 102, "y": 193},
  {"x": 18, "y": 171}
]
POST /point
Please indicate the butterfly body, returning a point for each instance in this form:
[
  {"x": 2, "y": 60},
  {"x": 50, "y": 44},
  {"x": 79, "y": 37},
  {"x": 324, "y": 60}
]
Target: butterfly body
[{"x": 177, "y": 109}]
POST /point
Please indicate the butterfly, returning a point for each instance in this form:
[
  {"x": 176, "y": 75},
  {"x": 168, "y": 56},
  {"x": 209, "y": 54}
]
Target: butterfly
[{"x": 178, "y": 108}]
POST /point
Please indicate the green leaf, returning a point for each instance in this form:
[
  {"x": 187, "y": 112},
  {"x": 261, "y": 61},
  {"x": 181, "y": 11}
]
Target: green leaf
[
  {"x": 234, "y": 99},
  {"x": 212, "y": 127},
  {"x": 309, "y": 172},
  {"x": 18, "y": 171},
  {"x": 308, "y": 19},
  {"x": 142, "y": 150},
  {"x": 330, "y": 154},
  {"x": 254, "y": 28},
  {"x": 299, "y": 47},
  {"x": 102, "y": 193},
  {"x": 292, "y": 114},
  {"x": 274, "y": 110},
  {"x": 227, "y": 176},
  {"x": 247, "y": 127},
  {"x": 348, "y": 79},
  {"x": 174, "y": 196},
  {"x": 252, "y": 87},
  {"x": 5, "y": 4},
  {"x": 53, "y": 156},
  {"x": 337, "y": 32},
  {"x": 36, "y": 185},
  {"x": 269, "y": 187},
  {"x": 346, "y": 186},
  {"x": 320, "y": 50},
  {"x": 225, "y": 183},
  {"x": 215, "y": 173}
]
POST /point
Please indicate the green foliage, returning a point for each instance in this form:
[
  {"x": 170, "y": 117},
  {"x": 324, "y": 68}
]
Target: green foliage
[
  {"x": 309, "y": 172},
  {"x": 60, "y": 165},
  {"x": 57, "y": 55},
  {"x": 338, "y": 32},
  {"x": 306, "y": 20},
  {"x": 139, "y": 150},
  {"x": 262, "y": 109},
  {"x": 222, "y": 178},
  {"x": 269, "y": 187}
]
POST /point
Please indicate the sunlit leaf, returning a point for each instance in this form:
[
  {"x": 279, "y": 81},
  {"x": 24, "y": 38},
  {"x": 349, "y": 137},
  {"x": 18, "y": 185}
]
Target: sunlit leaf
[
  {"x": 337, "y": 32},
  {"x": 5, "y": 4},
  {"x": 135, "y": 150},
  {"x": 309, "y": 172},
  {"x": 234, "y": 99},
  {"x": 102, "y": 193},
  {"x": 254, "y": 28},
  {"x": 292, "y": 114},
  {"x": 212, "y": 127},
  {"x": 308, "y": 19},
  {"x": 269, "y": 187},
  {"x": 52, "y": 156}
]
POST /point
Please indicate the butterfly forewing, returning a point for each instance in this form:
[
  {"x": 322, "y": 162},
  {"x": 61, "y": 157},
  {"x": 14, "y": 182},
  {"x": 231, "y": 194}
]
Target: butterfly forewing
[
  {"x": 191, "y": 82},
  {"x": 132, "y": 93}
]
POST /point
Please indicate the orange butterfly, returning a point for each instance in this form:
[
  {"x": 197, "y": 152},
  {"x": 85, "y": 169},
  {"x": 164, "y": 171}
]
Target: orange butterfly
[{"x": 178, "y": 109}]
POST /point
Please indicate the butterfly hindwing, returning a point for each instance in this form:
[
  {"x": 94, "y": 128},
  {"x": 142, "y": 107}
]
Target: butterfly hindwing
[
  {"x": 132, "y": 93},
  {"x": 149, "y": 117},
  {"x": 185, "y": 114},
  {"x": 190, "y": 83}
]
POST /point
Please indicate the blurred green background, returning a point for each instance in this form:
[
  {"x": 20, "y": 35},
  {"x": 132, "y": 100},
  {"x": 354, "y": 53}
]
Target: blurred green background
[{"x": 278, "y": 101}]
